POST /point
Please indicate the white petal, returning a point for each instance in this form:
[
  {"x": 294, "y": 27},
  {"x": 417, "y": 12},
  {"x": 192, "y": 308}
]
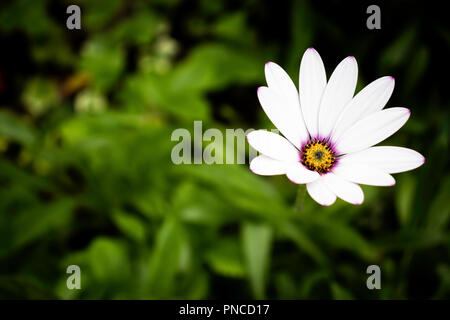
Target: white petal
[
  {"x": 297, "y": 173},
  {"x": 364, "y": 174},
  {"x": 321, "y": 193},
  {"x": 273, "y": 145},
  {"x": 287, "y": 102},
  {"x": 287, "y": 119},
  {"x": 312, "y": 82},
  {"x": 338, "y": 92},
  {"x": 266, "y": 166},
  {"x": 346, "y": 190},
  {"x": 372, "y": 129},
  {"x": 387, "y": 158},
  {"x": 370, "y": 99}
]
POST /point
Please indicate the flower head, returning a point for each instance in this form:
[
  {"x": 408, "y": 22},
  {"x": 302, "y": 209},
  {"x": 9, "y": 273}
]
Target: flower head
[{"x": 329, "y": 134}]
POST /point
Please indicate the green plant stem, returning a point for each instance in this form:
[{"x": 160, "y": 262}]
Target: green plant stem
[{"x": 298, "y": 205}]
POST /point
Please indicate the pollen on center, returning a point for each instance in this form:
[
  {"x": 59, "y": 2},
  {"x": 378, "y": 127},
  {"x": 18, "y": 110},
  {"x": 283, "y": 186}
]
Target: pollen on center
[{"x": 318, "y": 156}]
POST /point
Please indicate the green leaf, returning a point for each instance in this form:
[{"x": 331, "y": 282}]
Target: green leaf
[
  {"x": 443, "y": 270},
  {"x": 154, "y": 92},
  {"x": 13, "y": 128},
  {"x": 302, "y": 32},
  {"x": 398, "y": 50},
  {"x": 165, "y": 259},
  {"x": 234, "y": 27},
  {"x": 439, "y": 212},
  {"x": 103, "y": 62},
  {"x": 310, "y": 281},
  {"x": 257, "y": 243},
  {"x": 130, "y": 225},
  {"x": 19, "y": 288},
  {"x": 140, "y": 29},
  {"x": 20, "y": 15},
  {"x": 339, "y": 293},
  {"x": 225, "y": 65},
  {"x": 241, "y": 188},
  {"x": 198, "y": 205},
  {"x": 405, "y": 195},
  {"x": 26, "y": 223},
  {"x": 225, "y": 258},
  {"x": 302, "y": 241},
  {"x": 108, "y": 260},
  {"x": 96, "y": 14},
  {"x": 339, "y": 235},
  {"x": 420, "y": 62}
]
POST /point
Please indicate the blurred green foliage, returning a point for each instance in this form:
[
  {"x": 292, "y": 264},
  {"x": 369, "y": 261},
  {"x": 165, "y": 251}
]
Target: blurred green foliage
[{"x": 86, "y": 176}]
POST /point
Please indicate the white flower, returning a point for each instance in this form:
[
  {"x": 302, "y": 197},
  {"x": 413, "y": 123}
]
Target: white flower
[{"x": 329, "y": 135}]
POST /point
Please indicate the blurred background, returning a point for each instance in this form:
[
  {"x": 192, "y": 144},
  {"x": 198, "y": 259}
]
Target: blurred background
[{"x": 86, "y": 176}]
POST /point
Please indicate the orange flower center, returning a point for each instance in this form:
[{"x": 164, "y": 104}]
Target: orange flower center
[{"x": 318, "y": 156}]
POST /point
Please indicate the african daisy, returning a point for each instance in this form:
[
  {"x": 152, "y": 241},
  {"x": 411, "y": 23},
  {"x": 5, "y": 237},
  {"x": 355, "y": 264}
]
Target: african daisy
[{"x": 329, "y": 135}]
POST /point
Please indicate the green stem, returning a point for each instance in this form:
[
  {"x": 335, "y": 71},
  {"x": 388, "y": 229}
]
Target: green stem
[{"x": 300, "y": 198}]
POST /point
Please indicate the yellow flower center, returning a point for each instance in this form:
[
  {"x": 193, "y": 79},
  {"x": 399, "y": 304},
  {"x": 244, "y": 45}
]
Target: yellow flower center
[{"x": 318, "y": 156}]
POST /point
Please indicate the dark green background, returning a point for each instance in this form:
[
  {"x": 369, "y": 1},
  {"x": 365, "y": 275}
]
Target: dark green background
[{"x": 85, "y": 170}]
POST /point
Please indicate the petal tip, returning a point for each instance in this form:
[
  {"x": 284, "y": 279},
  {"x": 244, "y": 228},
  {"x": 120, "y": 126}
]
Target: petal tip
[
  {"x": 360, "y": 201},
  {"x": 357, "y": 203},
  {"x": 393, "y": 182},
  {"x": 292, "y": 180},
  {"x": 326, "y": 204},
  {"x": 405, "y": 110}
]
